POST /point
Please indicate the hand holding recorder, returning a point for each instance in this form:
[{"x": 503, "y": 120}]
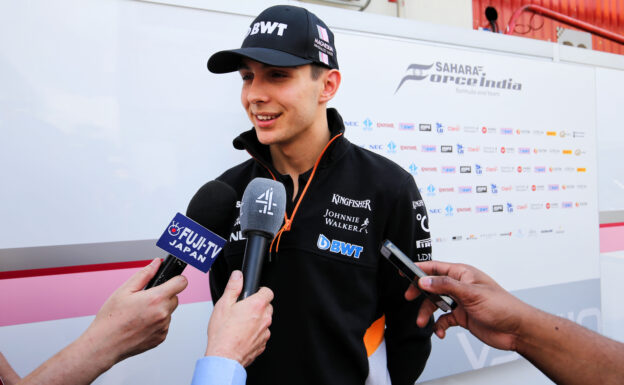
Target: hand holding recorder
[{"x": 564, "y": 351}]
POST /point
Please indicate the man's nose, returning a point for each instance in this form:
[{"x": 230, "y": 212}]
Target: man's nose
[{"x": 256, "y": 93}]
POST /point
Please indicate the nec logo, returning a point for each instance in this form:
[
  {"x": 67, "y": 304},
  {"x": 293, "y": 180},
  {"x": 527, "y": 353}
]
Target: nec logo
[
  {"x": 338, "y": 247},
  {"x": 376, "y": 147},
  {"x": 267, "y": 27}
]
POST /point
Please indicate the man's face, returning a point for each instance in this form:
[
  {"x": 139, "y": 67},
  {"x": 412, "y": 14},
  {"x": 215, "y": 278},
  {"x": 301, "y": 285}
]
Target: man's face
[{"x": 281, "y": 102}]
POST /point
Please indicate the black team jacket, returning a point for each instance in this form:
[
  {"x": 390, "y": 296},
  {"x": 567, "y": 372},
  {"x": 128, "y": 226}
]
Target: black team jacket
[{"x": 329, "y": 278}]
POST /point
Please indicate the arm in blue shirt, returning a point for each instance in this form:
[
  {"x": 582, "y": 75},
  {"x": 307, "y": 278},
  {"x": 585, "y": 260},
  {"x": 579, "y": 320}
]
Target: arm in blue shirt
[{"x": 213, "y": 370}]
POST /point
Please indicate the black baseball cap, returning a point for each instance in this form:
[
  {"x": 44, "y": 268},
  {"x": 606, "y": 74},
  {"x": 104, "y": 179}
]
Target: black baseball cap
[{"x": 281, "y": 36}]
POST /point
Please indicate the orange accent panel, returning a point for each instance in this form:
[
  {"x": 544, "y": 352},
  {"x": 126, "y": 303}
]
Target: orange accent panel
[{"x": 374, "y": 335}]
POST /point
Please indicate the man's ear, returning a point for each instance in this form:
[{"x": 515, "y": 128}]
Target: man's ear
[{"x": 331, "y": 83}]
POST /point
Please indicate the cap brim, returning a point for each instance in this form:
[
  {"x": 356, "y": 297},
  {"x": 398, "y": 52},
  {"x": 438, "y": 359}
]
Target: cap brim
[{"x": 229, "y": 61}]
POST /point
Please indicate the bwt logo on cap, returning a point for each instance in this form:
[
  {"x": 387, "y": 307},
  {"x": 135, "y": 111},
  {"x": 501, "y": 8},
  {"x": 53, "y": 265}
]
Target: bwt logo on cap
[
  {"x": 190, "y": 242},
  {"x": 267, "y": 27}
]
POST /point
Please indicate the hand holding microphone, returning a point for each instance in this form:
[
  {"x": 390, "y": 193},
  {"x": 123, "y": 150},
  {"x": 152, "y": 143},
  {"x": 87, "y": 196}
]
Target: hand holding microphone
[
  {"x": 214, "y": 207},
  {"x": 261, "y": 216}
]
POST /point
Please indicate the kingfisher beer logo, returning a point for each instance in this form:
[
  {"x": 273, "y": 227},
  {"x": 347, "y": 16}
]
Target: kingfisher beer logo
[{"x": 457, "y": 74}]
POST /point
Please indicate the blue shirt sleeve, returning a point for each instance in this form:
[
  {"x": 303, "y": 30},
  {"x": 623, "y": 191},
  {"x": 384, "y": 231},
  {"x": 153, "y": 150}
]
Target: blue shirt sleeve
[{"x": 214, "y": 370}]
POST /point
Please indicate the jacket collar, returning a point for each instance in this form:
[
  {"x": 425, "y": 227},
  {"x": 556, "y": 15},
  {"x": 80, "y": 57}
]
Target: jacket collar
[{"x": 248, "y": 140}]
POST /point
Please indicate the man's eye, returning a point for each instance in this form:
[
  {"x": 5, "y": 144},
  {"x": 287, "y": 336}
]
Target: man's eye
[
  {"x": 246, "y": 77},
  {"x": 279, "y": 75}
]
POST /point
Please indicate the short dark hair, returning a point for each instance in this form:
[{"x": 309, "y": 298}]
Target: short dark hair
[{"x": 316, "y": 70}]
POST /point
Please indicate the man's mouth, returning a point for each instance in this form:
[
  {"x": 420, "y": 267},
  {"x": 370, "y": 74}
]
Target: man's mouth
[{"x": 266, "y": 117}]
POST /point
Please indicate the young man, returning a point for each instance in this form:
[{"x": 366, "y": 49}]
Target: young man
[{"x": 330, "y": 281}]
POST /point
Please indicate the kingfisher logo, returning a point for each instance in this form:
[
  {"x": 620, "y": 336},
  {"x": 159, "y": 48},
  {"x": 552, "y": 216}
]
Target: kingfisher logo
[
  {"x": 460, "y": 149},
  {"x": 456, "y": 74},
  {"x": 339, "y": 247},
  {"x": 439, "y": 128},
  {"x": 413, "y": 169},
  {"x": 391, "y": 147},
  {"x": 424, "y": 127},
  {"x": 448, "y": 169},
  {"x": 478, "y": 169},
  {"x": 428, "y": 148},
  {"x": 367, "y": 124}
]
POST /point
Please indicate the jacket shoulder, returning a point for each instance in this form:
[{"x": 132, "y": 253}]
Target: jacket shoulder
[{"x": 239, "y": 176}]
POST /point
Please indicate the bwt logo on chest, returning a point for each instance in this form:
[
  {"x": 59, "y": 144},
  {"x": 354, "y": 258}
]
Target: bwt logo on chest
[
  {"x": 339, "y": 247},
  {"x": 266, "y": 27}
]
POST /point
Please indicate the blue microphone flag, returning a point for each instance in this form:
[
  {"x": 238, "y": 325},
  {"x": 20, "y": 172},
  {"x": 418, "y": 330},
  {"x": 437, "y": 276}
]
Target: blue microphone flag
[{"x": 191, "y": 242}]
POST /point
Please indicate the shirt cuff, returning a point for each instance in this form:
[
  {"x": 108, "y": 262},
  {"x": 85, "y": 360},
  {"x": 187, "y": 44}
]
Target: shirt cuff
[{"x": 213, "y": 370}]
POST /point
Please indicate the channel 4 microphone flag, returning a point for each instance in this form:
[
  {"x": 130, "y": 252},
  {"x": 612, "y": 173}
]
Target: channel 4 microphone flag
[{"x": 191, "y": 242}]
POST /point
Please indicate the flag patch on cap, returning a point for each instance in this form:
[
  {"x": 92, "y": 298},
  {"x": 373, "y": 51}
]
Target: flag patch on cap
[
  {"x": 324, "y": 58},
  {"x": 323, "y": 33}
]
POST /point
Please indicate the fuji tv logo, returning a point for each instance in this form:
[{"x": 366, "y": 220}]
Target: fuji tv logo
[{"x": 174, "y": 229}]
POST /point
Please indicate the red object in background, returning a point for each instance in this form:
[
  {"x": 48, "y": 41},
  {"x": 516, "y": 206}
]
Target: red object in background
[{"x": 607, "y": 14}]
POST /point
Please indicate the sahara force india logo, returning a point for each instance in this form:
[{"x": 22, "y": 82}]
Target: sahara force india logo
[{"x": 456, "y": 74}]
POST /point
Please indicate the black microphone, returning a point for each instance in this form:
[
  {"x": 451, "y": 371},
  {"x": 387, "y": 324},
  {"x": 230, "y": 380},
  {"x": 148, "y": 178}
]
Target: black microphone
[
  {"x": 214, "y": 207},
  {"x": 261, "y": 216}
]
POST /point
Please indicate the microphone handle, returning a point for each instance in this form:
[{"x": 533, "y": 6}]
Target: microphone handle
[
  {"x": 170, "y": 267},
  {"x": 255, "y": 250}
]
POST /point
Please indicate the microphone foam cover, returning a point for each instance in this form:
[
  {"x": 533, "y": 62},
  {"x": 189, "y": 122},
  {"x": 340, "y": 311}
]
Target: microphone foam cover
[
  {"x": 263, "y": 206},
  {"x": 214, "y": 207}
]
